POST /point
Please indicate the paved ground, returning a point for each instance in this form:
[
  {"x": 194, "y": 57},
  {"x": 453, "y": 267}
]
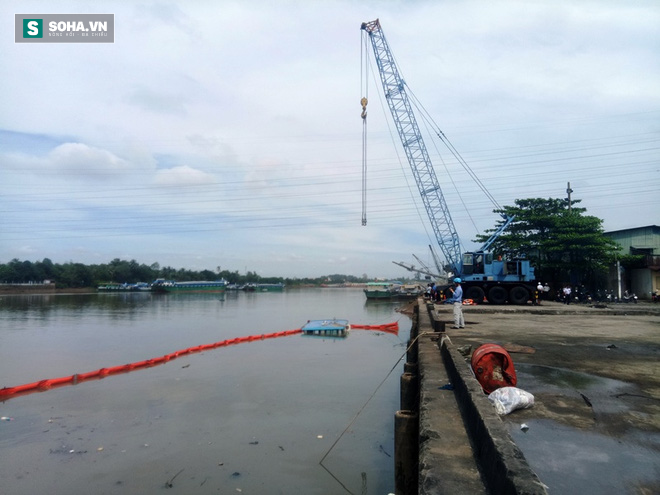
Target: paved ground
[
  {"x": 602, "y": 342},
  {"x": 594, "y": 371}
]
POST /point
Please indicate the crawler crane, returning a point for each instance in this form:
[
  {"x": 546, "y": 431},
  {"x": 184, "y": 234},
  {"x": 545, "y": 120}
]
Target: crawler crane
[{"x": 483, "y": 276}]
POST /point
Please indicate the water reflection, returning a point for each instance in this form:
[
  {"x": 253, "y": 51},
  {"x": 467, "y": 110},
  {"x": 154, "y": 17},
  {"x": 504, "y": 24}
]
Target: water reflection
[
  {"x": 559, "y": 381},
  {"x": 560, "y": 378},
  {"x": 575, "y": 461},
  {"x": 597, "y": 457},
  {"x": 257, "y": 416}
]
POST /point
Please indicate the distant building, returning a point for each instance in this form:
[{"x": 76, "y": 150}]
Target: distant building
[{"x": 644, "y": 241}]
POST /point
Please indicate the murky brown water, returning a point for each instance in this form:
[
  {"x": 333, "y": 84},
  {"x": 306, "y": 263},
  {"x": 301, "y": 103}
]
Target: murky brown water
[{"x": 251, "y": 418}]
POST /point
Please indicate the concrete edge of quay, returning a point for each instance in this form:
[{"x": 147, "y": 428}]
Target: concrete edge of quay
[
  {"x": 556, "y": 308},
  {"x": 501, "y": 465}
]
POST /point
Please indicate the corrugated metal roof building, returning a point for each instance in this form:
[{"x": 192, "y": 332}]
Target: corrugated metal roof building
[{"x": 643, "y": 241}]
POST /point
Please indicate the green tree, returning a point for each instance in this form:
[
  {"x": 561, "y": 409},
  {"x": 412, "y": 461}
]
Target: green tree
[
  {"x": 120, "y": 271},
  {"x": 102, "y": 274},
  {"x": 167, "y": 272},
  {"x": 10, "y": 272},
  {"x": 47, "y": 268},
  {"x": 208, "y": 275},
  {"x": 563, "y": 243},
  {"x": 74, "y": 275}
]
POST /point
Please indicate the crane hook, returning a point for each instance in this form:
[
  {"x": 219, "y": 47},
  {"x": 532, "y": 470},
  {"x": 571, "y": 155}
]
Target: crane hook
[{"x": 364, "y": 102}]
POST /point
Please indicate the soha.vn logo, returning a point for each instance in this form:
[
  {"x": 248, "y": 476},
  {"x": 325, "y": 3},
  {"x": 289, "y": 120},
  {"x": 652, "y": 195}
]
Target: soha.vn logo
[
  {"x": 64, "y": 28},
  {"x": 33, "y": 28},
  {"x": 71, "y": 26}
]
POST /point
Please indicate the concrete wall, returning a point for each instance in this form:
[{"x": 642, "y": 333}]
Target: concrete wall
[{"x": 463, "y": 444}]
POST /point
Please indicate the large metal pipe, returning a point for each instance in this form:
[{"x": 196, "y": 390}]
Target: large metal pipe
[
  {"x": 406, "y": 452},
  {"x": 412, "y": 352},
  {"x": 409, "y": 392},
  {"x": 410, "y": 368}
]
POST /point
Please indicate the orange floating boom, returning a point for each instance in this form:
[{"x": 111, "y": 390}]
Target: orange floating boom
[{"x": 42, "y": 385}]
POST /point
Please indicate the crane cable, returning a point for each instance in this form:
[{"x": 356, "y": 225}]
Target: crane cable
[
  {"x": 364, "y": 89},
  {"x": 414, "y": 196},
  {"x": 364, "y": 83},
  {"x": 448, "y": 173},
  {"x": 436, "y": 129}
]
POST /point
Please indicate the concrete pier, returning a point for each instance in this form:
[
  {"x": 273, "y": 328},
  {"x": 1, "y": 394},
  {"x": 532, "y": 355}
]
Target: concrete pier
[{"x": 463, "y": 445}]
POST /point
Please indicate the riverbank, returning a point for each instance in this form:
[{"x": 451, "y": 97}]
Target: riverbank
[{"x": 38, "y": 289}]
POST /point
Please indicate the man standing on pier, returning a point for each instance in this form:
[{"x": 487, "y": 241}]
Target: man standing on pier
[{"x": 457, "y": 300}]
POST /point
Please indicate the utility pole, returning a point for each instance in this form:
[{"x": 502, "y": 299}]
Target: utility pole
[
  {"x": 618, "y": 278},
  {"x": 569, "y": 191}
]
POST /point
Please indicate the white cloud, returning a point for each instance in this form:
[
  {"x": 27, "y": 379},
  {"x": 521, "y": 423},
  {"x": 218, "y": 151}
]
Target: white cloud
[
  {"x": 159, "y": 102},
  {"x": 85, "y": 160},
  {"x": 182, "y": 175},
  {"x": 239, "y": 124},
  {"x": 72, "y": 161}
]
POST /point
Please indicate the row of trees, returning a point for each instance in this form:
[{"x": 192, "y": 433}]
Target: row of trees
[
  {"x": 562, "y": 243},
  {"x": 73, "y": 275}
]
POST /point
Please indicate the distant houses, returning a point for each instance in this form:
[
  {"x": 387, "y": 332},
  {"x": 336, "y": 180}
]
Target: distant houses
[{"x": 644, "y": 278}]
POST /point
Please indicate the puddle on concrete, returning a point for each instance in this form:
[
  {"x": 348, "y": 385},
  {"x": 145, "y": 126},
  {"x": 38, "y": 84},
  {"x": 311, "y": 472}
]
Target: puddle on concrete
[
  {"x": 562, "y": 378},
  {"x": 572, "y": 460},
  {"x": 601, "y": 392}
]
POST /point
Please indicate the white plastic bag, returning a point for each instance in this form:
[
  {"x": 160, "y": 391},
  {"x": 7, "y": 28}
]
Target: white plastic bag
[{"x": 507, "y": 399}]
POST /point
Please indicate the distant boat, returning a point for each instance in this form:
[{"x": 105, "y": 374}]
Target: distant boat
[
  {"x": 411, "y": 291},
  {"x": 270, "y": 287},
  {"x": 138, "y": 287},
  {"x": 252, "y": 287},
  {"x": 162, "y": 285},
  {"x": 392, "y": 290},
  {"x": 382, "y": 290}
]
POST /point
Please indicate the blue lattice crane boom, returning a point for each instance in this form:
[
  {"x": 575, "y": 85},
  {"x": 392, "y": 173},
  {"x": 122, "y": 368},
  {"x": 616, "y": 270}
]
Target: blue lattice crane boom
[
  {"x": 500, "y": 279},
  {"x": 414, "y": 147}
]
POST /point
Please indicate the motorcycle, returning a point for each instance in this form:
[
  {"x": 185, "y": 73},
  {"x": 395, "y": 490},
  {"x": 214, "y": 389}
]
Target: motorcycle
[{"x": 629, "y": 297}]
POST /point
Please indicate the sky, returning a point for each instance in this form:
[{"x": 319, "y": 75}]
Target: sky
[{"x": 228, "y": 133}]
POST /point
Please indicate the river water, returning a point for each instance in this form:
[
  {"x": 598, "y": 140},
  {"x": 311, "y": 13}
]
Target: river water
[{"x": 289, "y": 415}]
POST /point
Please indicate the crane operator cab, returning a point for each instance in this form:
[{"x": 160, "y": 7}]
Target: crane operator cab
[
  {"x": 474, "y": 263},
  {"x": 480, "y": 266}
]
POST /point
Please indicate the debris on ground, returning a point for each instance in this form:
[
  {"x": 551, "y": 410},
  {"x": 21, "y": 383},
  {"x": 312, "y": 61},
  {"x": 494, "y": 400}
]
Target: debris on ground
[
  {"x": 523, "y": 349},
  {"x": 508, "y": 399},
  {"x": 465, "y": 350}
]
